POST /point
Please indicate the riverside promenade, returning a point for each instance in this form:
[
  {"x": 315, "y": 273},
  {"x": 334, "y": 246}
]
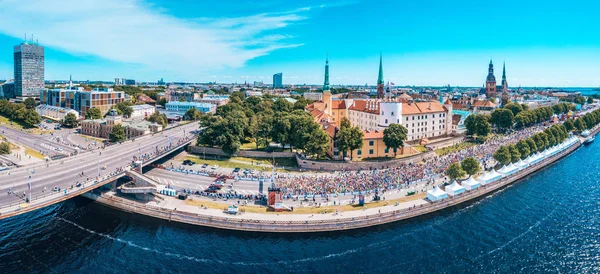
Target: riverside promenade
[{"x": 175, "y": 210}]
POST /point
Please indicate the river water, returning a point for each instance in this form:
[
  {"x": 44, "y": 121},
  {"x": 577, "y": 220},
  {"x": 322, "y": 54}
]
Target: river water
[{"x": 549, "y": 222}]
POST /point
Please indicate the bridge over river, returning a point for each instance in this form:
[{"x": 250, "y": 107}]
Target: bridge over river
[{"x": 84, "y": 172}]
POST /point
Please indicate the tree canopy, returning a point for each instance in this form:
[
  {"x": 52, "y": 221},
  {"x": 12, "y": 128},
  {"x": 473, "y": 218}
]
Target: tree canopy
[
  {"x": 394, "y": 136},
  {"x": 93, "y": 113},
  {"x": 470, "y": 165},
  {"x": 478, "y": 124},
  {"x": 70, "y": 120},
  {"x": 4, "y": 148},
  {"x": 454, "y": 171},
  {"x": 117, "y": 134}
]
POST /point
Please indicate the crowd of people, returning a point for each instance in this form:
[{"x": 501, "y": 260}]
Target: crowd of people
[{"x": 401, "y": 176}]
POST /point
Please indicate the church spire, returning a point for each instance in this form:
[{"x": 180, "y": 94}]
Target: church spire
[
  {"x": 380, "y": 78},
  {"x": 326, "y": 83},
  {"x": 504, "y": 72},
  {"x": 380, "y": 88}
]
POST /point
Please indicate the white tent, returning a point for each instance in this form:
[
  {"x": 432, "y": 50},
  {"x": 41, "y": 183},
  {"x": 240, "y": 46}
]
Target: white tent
[
  {"x": 436, "y": 194},
  {"x": 471, "y": 184},
  {"x": 521, "y": 164},
  {"x": 489, "y": 177},
  {"x": 455, "y": 189},
  {"x": 506, "y": 170}
]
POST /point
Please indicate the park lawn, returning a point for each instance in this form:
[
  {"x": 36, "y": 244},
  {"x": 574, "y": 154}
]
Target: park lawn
[
  {"x": 420, "y": 148},
  {"x": 454, "y": 148},
  {"x": 281, "y": 162},
  {"x": 15, "y": 125},
  {"x": 304, "y": 210},
  {"x": 34, "y": 153},
  {"x": 226, "y": 163}
]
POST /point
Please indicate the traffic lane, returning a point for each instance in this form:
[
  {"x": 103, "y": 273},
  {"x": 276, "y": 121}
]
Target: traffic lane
[
  {"x": 131, "y": 148},
  {"x": 123, "y": 152},
  {"x": 192, "y": 181},
  {"x": 35, "y": 141},
  {"x": 70, "y": 174}
]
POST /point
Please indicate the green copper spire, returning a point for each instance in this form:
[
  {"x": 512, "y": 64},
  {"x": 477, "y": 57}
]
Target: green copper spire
[
  {"x": 380, "y": 78},
  {"x": 504, "y": 72},
  {"x": 326, "y": 84}
]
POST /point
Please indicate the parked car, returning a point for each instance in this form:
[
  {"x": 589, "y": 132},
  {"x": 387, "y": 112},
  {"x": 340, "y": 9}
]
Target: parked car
[
  {"x": 188, "y": 162},
  {"x": 204, "y": 165},
  {"x": 237, "y": 169},
  {"x": 214, "y": 167}
]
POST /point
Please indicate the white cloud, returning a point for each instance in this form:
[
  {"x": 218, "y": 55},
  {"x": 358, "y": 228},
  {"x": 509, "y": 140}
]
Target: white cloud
[{"x": 129, "y": 31}]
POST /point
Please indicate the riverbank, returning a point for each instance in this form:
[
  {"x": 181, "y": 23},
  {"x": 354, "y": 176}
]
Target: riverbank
[{"x": 260, "y": 222}]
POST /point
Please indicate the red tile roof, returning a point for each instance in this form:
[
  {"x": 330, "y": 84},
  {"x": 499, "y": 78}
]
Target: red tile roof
[
  {"x": 364, "y": 106},
  {"x": 373, "y": 134},
  {"x": 483, "y": 103}
]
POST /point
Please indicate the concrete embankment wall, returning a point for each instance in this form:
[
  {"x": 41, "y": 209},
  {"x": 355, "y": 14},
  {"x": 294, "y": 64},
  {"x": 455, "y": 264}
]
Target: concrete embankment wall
[
  {"x": 242, "y": 153},
  {"x": 364, "y": 165},
  {"x": 324, "y": 225}
]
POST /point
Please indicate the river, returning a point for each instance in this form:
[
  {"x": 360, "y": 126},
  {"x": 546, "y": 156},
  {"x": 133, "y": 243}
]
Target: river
[{"x": 549, "y": 222}]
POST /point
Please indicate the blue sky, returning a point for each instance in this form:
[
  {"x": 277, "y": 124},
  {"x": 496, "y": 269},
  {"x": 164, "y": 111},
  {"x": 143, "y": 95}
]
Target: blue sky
[{"x": 544, "y": 43}]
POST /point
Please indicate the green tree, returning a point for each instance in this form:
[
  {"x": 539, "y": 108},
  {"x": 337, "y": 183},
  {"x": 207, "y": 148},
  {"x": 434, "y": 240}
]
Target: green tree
[
  {"x": 182, "y": 99},
  {"x": 318, "y": 144},
  {"x": 117, "y": 134},
  {"x": 31, "y": 118},
  {"x": 124, "y": 108},
  {"x": 503, "y": 155},
  {"x": 4, "y": 148},
  {"x": 70, "y": 120},
  {"x": 470, "y": 165},
  {"x": 162, "y": 102},
  {"x": 158, "y": 118},
  {"x": 515, "y": 155},
  {"x": 93, "y": 113},
  {"x": 502, "y": 118},
  {"x": 394, "y": 137},
  {"x": 531, "y": 144},
  {"x": 282, "y": 105},
  {"x": 514, "y": 107},
  {"x": 192, "y": 114},
  {"x": 590, "y": 100},
  {"x": 29, "y": 103},
  {"x": 478, "y": 124},
  {"x": 523, "y": 148},
  {"x": 580, "y": 124},
  {"x": 455, "y": 171},
  {"x": 569, "y": 124},
  {"x": 350, "y": 139}
]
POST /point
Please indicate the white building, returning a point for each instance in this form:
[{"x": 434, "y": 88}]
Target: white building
[
  {"x": 142, "y": 111},
  {"x": 55, "y": 113},
  {"x": 314, "y": 96},
  {"x": 421, "y": 119}
]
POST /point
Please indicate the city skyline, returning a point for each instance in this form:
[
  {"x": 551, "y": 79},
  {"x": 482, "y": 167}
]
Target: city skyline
[{"x": 421, "y": 44}]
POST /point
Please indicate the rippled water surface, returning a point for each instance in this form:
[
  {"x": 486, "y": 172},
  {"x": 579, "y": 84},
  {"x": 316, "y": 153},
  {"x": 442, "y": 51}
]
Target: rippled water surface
[{"x": 549, "y": 222}]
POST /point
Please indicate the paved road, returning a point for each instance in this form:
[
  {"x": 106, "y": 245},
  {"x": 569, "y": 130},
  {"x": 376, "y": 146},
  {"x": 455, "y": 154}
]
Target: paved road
[
  {"x": 44, "y": 143},
  {"x": 69, "y": 172},
  {"x": 199, "y": 183}
]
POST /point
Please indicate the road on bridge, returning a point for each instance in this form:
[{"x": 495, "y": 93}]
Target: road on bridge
[
  {"x": 67, "y": 172},
  {"x": 35, "y": 142}
]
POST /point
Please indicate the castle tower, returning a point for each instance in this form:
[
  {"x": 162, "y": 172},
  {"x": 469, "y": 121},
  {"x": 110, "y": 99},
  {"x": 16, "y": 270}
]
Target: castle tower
[
  {"x": 380, "y": 88},
  {"x": 490, "y": 82}
]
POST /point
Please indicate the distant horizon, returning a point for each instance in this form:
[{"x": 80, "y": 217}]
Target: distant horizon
[{"x": 197, "y": 41}]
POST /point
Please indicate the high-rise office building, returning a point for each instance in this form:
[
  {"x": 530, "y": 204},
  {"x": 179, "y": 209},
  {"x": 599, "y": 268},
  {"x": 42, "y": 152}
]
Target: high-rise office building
[
  {"x": 278, "y": 80},
  {"x": 29, "y": 69}
]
